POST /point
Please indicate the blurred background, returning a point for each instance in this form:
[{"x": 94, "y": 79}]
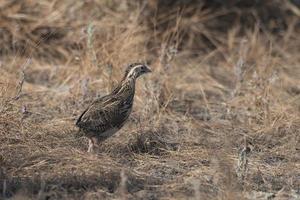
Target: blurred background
[{"x": 218, "y": 118}]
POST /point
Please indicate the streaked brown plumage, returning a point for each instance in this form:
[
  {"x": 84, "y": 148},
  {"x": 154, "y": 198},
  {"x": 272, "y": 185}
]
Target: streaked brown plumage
[{"x": 106, "y": 115}]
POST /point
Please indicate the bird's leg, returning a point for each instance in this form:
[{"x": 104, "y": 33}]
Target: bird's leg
[
  {"x": 95, "y": 141},
  {"x": 91, "y": 145}
]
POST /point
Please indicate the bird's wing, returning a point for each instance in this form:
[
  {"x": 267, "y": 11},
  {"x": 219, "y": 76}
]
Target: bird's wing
[
  {"x": 101, "y": 115},
  {"x": 101, "y": 99}
]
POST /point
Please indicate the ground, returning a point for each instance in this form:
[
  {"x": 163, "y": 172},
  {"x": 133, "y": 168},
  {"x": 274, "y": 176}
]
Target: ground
[{"x": 218, "y": 118}]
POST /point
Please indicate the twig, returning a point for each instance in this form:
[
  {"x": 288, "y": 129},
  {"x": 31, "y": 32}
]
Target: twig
[
  {"x": 4, "y": 188},
  {"x": 293, "y": 8},
  {"x": 123, "y": 182},
  {"x": 243, "y": 161},
  {"x": 22, "y": 79}
]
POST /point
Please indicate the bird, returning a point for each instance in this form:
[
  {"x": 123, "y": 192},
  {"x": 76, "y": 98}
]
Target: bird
[{"x": 106, "y": 115}]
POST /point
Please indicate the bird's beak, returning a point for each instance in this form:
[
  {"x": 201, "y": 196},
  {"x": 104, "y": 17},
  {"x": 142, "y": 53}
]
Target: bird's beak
[{"x": 148, "y": 70}]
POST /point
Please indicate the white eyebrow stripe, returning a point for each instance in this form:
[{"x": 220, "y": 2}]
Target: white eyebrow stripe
[{"x": 130, "y": 73}]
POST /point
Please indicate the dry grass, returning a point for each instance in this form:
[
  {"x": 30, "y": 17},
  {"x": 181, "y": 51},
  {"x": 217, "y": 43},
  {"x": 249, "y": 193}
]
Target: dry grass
[{"x": 218, "y": 118}]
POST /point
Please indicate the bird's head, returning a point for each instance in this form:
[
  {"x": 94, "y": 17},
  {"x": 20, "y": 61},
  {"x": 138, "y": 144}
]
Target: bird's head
[{"x": 136, "y": 69}]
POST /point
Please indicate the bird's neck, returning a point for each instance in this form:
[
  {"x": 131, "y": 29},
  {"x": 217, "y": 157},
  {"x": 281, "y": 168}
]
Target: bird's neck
[{"x": 127, "y": 85}]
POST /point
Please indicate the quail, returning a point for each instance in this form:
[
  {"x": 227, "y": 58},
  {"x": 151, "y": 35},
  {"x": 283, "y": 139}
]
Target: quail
[{"x": 106, "y": 115}]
